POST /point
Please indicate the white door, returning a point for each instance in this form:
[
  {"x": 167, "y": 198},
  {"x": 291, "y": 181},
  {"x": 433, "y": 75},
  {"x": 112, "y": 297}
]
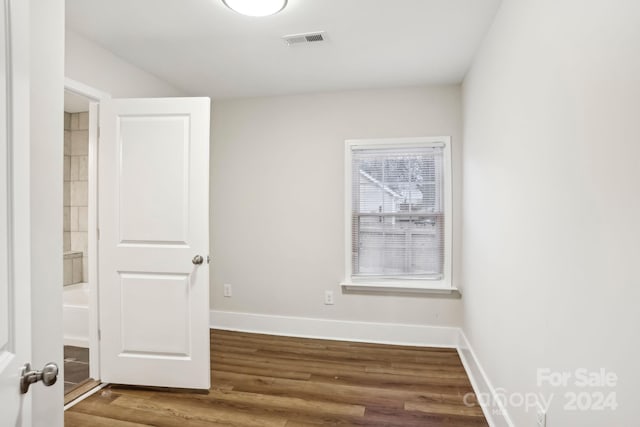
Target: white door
[
  {"x": 153, "y": 225},
  {"x": 15, "y": 285}
]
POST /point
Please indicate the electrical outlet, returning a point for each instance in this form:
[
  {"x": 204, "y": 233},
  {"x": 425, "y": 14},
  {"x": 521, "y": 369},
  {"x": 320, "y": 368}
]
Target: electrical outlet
[
  {"x": 328, "y": 297},
  {"x": 541, "y": 416},
  {"x": 227, "y": 290}
]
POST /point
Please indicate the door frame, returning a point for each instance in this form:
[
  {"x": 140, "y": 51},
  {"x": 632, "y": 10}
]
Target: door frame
[{"x": 94, "y": 96}]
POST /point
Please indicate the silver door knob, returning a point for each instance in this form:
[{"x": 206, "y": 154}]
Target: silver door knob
[
  {"x": 48, "y": 376},
  {"x": 197, "y": 260}
]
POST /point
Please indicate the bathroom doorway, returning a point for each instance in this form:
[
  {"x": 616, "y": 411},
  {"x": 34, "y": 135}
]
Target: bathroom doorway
[
  {"x": 80, "y": 287},
  {"x": 76, "y": 243}
]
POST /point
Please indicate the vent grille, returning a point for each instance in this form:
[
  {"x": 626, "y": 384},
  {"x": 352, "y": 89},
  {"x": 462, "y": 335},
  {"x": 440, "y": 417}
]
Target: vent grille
[
  {"x": 314, "y": 38},
  {"x": 296, "y": 39}
]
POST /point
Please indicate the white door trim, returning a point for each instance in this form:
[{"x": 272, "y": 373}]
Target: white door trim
[
  {"x": 95, "y": 96},
  {"x": 84, "y": 90}
]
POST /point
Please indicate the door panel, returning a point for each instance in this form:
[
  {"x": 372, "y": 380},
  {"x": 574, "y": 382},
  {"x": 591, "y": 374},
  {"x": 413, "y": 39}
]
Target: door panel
[
  {"x": 153, "y": 215},
  {"x": 145, "y": 192},
  {"x": 164, "y": 330},
  {"x": 15, "y": 267}
]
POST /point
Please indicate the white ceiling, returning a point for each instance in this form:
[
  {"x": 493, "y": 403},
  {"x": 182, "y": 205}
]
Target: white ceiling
[{"x": 206, "y": 49}]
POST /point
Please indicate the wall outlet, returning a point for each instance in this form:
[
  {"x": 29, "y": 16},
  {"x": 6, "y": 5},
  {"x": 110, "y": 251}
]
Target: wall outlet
[
  {"x": 328, "y": 297},
  {"x": 541, "y": 416},
  {"x": 227, "y": 290}
]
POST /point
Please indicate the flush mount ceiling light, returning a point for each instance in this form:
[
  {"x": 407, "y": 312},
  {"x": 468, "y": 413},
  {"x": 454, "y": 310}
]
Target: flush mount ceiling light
[{"x": 256, "y": 7}]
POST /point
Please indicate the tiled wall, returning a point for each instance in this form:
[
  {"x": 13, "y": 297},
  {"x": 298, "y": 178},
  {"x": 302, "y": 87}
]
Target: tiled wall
[{"x": 76, "y": 147}]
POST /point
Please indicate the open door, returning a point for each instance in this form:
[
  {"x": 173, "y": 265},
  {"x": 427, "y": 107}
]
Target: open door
[
  {"x": 153, "y": 177},
  {"x": 15, "y": 256}
]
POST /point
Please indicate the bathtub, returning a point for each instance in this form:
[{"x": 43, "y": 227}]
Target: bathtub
[{"x": 75, "y": 302}]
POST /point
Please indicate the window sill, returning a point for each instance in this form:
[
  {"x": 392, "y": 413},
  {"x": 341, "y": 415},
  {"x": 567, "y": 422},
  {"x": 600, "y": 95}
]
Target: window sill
[{"x": 405, "y": 288}]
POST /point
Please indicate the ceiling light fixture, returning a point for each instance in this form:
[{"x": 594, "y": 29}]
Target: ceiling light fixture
[{"x": 256, "y": 7}]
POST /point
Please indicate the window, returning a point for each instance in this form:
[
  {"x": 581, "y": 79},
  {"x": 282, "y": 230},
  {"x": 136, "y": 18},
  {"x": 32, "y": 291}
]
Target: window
[{"x": 399, "y": 213}]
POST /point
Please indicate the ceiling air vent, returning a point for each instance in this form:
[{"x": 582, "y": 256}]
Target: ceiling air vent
[{"x": 305, "y": 38}]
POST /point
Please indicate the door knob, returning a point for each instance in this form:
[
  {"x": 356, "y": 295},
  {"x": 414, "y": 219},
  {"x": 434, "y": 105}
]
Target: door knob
[
  {"x": 197, "y": 260},
  {"x": 48, "y": 376}
]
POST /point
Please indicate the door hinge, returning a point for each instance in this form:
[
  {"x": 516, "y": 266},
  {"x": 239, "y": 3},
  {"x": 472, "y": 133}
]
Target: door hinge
[
  {"x": 98, "y": 233},
  {"x": 99, "y": 335}
]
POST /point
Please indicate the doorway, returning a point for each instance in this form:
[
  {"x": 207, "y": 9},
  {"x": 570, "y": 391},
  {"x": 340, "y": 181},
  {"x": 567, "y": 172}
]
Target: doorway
[
  {"x": 75, "y": 242},
  {"x": 80, "y": 287}
]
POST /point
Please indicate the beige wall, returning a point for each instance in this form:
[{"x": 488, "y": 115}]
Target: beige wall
[
  {"x": 277, "y": 197},
  {"x": 552, "y": 201}
]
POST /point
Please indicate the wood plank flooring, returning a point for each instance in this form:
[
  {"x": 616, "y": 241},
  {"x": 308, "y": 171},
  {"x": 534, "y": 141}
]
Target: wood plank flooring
[{"x": 263, "y": 380}]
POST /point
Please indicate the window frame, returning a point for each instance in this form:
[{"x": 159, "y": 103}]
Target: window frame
[{"x": 383, "y": 284}]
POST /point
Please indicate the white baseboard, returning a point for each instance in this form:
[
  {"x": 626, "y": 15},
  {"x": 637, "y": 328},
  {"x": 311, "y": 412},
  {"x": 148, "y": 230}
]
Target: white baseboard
[
  {"x": 382, "y": 333},
  {"x": 495, "y": 412},
  {"x": 341, "y": 330}
]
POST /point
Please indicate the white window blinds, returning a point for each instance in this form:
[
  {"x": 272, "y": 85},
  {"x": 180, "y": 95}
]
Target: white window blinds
[{"x": 397, "y": 212}]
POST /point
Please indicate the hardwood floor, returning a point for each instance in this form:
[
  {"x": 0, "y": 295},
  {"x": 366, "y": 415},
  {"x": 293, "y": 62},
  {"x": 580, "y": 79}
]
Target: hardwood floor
[{"x": 263, "y": 380}]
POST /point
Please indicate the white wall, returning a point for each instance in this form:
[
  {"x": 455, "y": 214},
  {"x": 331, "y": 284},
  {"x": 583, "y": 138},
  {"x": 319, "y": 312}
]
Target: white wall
[
  {"x": 46, "y": 128},
  {"x": 277, "y": 197},
  {"x": 552, "y": 200},
  {"x": 91, "y": 64}
]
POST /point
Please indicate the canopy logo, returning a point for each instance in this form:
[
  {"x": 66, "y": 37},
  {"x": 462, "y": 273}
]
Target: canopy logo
[{"x": 587, "y": 390}]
